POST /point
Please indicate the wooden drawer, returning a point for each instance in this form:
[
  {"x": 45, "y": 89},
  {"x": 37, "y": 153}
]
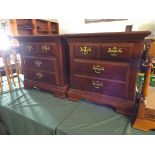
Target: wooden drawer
[
  {"x": 39, "y": 49},
  {"x": 46, "y": 49},
  {"x": 103, "y": 69},
  {"x": 29, "y": 49},
  {"x": 40, "y": 64},
  {"x": 86, "y": 51},
  {"x": 104, "y": 51},
  {"x": 116, "y": 51},
  {"x": 107, "y": 87},
  {"x": 40, "y": 76}
]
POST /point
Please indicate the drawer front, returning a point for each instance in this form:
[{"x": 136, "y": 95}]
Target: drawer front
[
  {"x": 46, "y": 49},
  {"x": 40, "y": 64},
  {"x": 104, "y": 69},
  {"x": 105, "y": 87},
  {"x": 86, "y": 51},
  {"x": 29, "y": 49},
  {"x": 40, "y": 76},
  {"x": 116, "y": 51}
]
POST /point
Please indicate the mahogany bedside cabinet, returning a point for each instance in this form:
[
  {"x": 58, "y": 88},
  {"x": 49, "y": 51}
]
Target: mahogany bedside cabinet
[
  {"x": 104, "y": 68},
  {"x": 45, "y": 63}
]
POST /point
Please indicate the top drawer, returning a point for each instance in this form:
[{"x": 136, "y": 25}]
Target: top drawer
[
  {"x": 86, "y": 51},
  {"x": 46, "y": 49},
  {"x": 29, "y": 49},
  {"x": 116, "y": 51},
  {"x": 39, "y": 49},
  {"x": 104, "y": 51}
]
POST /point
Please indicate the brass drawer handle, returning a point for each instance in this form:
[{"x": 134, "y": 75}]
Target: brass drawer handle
[
  {"x": 39, "y": 75},
  {"x": 98, "y": 69},
  {"x": 46, "y": 48},
  {"x": 85, "y": 50},
  {"x": 29, "y": 47},
  {"x": 97, "y": 84},
  {"x": 38, "y": 63},
  {"x": 114, "y": 51}
]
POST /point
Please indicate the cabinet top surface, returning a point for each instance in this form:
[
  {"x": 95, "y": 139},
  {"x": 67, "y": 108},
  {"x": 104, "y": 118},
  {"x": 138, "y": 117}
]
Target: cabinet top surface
[
  {"x": 133, "y": 33},
  {"x": 114, "y": 35}
]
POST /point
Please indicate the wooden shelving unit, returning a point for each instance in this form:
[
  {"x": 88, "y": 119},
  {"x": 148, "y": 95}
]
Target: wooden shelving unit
[{"x": 33, "y": 27}]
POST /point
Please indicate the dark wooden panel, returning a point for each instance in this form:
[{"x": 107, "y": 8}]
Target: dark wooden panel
[
  {"x": 46, "y": 49},
  {"x": 106, "y": 87},
  {"x": 29, "y": 49},
  {"x": 40, "y": 76},
  {"x": 40, "y": 64},
  {"x": 116, "y": 51},
  {"x": 103, "y": 69},
  {"x": 86, "y": 51}
]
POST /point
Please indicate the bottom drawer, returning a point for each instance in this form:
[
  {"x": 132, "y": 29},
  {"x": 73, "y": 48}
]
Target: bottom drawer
[
  {"x": 105, "y": 87},
  {"x": 40, "y": 76}
]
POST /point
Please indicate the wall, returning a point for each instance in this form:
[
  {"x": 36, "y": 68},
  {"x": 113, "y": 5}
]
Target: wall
[{"x": 79, "y": 26}]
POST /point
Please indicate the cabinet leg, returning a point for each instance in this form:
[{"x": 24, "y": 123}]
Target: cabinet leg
[
  {"x": 125, "y": 110},
  {"x": 28, "y": 84}
]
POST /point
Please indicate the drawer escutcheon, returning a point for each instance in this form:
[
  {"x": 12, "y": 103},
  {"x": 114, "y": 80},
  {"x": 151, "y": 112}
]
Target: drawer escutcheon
[
  {"x": 39, "y": 75},
  {"x": 98, "y": 69},
  {"x": 114, "y": 51},
  {"x": 38, "y": 63},
  {"x": 85, "y": 50},
  {"x": 97, "y": 84},
  {"x": 29, "y": 47},
  {"x": 46, "y": 48}
]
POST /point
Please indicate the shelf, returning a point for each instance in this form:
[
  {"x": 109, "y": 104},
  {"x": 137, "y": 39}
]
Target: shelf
[
  {"x": 53, "y": 32},
  {"x": 33, "y": 27},
  {"x": 42, "y": 31},
  {"x": 25, "y": 28}
]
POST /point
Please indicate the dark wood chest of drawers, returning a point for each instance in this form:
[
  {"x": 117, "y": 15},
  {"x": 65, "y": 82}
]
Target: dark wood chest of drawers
[
  {"x": 45, "y": 63},
  {"x": 104, "y": 68}
]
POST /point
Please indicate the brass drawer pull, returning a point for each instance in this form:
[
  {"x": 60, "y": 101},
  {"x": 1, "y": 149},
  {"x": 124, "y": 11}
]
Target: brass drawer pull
[
  {"x": 39, "y": 75},
  {"x": 98, "y": 69},
  {"x": 85, "y": 50},
  {"x": 29, "y": 47},
  {"x": 46, "y": 48},
  {"x": 114, "y": 51},
  {"x": 97, "y": 84},
  {"x": 38, "y": 63}
]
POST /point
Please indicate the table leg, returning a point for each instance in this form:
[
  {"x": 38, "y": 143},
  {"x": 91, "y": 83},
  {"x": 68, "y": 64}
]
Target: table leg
[
  {"x": 10, "y": 71},
  {"x": 6, "y": 72},
  {"x": 16, "y": 66}
]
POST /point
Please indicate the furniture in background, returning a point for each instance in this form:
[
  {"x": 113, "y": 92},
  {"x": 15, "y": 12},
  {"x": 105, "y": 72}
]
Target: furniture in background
[
  {"x": 145, "y": 118},
  {"x": 144, "y": 55},
  {"x": 33, "y": 27},
  {"x": 15, "y": 48},
  {"x": 104, "y": 68},
  {"x": 45, "y": 63},
  {"x": 128, "y": 28},
  {"x": 7, "y": 67}
]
